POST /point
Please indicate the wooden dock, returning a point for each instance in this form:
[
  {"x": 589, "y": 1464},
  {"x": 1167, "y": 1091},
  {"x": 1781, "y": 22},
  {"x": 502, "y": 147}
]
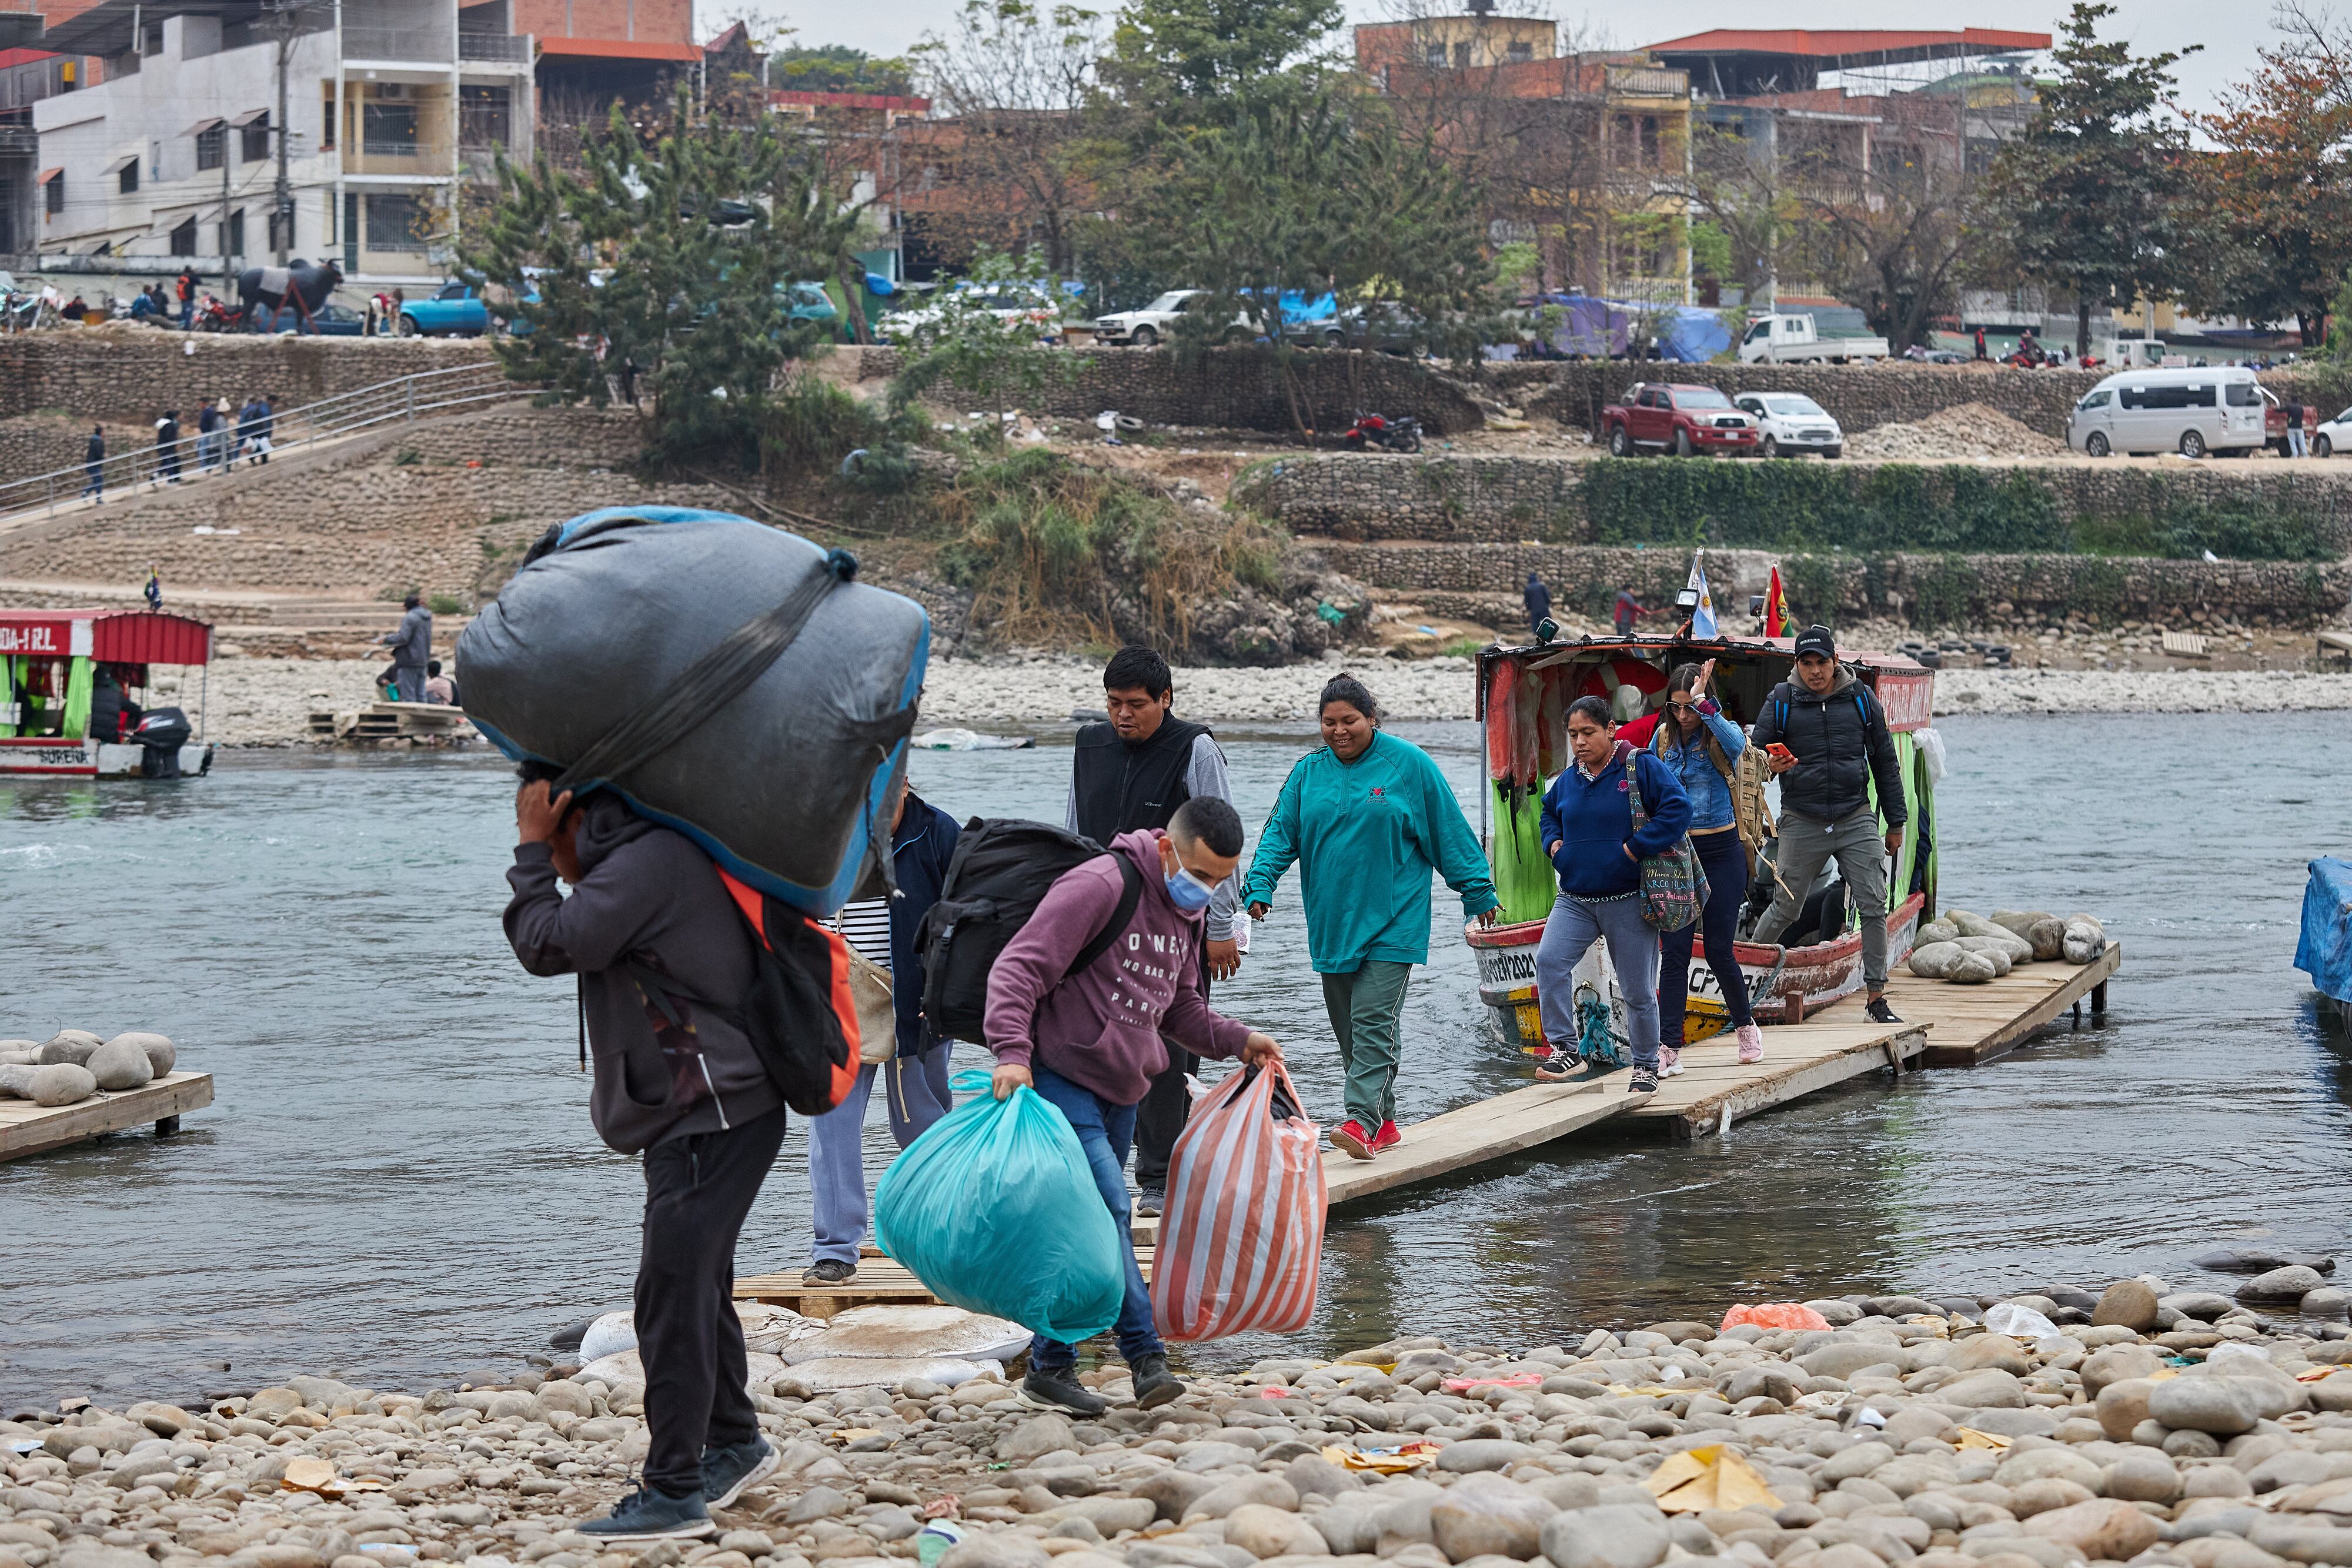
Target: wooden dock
[
  {"x": 1943, "y": 1026},
  {"x": 29, "y": 1129}
]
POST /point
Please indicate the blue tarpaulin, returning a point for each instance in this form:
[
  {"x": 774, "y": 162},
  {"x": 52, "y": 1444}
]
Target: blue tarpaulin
[
  {"x": 1689, "y": 334},
  {"x": 2325, "y": 951}
]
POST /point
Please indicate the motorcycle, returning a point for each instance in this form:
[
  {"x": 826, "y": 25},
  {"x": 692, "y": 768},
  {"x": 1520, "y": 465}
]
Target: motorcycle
[
  {"x": 212, "y": 316},
  {"x": 1372, "y": 430}
]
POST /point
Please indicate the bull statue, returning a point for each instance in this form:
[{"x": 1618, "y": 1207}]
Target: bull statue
[{"x": 263, "y": 291}]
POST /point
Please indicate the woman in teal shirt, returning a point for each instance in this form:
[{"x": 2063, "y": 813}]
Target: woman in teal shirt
[{"x": 1367, "y": 818}]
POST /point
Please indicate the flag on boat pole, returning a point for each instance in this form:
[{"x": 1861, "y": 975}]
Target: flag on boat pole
[
  {"x": 1702, "y": 612},
  {"x": 1776, "y": 609}
]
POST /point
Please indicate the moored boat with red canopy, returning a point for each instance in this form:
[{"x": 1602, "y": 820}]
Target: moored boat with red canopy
[
  {"x": 66, "y": 674},
  {"x": 1522, "y": 699}
]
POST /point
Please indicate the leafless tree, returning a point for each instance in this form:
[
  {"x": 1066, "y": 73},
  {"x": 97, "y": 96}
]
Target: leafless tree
[{"x": 1008, "y": 89}]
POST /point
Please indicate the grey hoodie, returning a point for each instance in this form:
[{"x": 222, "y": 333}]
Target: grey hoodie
[{"x": 646, "y": 897}]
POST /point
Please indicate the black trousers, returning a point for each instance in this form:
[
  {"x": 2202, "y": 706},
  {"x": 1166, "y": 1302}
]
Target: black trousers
[{"x": 697, "y": 1190}]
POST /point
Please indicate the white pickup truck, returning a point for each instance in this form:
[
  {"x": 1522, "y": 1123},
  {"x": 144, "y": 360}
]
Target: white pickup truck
[{"x": 1791, "y": 340}]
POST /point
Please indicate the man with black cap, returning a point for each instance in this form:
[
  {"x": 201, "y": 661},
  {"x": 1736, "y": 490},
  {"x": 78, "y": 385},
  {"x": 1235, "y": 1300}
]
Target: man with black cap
[
  {"x": 1131, "y": 774},
  {"x": 1834, "y": 741}
]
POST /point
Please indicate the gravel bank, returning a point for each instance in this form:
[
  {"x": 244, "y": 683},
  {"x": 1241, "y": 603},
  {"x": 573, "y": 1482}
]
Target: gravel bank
[
  {"x": 1908, "y": 1438},
  {"x": 268, "y": 702}
]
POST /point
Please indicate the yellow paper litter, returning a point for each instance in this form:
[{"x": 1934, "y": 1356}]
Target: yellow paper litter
[
  {"x": 1972, "y": 1438},
  {"x": 2315, "y": 1373},
  {"x": 1712, "y": 1476},
  {"x": 319, "y": 1476},
  {"x": 854, "y": 1433},
  {"x": 1413, "y": 1457},
  {"x": 1645, "y": 1390},
  {"x": 1940, "y": 1327}
]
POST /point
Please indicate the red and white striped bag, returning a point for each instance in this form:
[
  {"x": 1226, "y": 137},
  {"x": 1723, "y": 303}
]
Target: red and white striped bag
[{"x": 1241, "y": 1238}]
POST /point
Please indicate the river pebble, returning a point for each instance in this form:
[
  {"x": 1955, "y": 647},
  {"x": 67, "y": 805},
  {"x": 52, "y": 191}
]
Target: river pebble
[{"x": 1900, "y": 1438}]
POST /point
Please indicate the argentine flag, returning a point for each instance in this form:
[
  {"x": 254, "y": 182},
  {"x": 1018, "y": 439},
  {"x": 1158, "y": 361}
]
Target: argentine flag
[{"x": 1703, "y": 614}]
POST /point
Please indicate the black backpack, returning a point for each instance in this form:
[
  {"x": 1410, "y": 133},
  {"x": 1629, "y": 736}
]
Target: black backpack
[{"x": 998, "y": 875}]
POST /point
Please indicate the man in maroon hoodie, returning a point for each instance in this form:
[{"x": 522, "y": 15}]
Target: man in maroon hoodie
[{"x": 1090, "y": 1041}]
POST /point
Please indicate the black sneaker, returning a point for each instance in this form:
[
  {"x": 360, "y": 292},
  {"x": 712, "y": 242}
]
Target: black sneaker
[
  {"x": 728, "y": 1470},
  {"x": 1154, "y": 1385},
  {"x": 1562, "y": 1063},
  {"x": 1059, "y": 1389},
  {"x": 829, "y": 1272},
  {"x": 1645, "y": 1082},
  {"x": 648, "y": 1513},
  {"x": 1150, "y": 1202},
  {"x": 1879, "y": 1012}
]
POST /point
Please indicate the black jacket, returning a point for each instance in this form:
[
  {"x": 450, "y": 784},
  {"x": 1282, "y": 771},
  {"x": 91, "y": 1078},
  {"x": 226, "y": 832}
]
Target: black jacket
[
  {"x": 1117, "y": 789},
  {"x": 1842, "y": 742},
  {"x": 648, "y": 902},
  {"x": 919, "y": 852}
]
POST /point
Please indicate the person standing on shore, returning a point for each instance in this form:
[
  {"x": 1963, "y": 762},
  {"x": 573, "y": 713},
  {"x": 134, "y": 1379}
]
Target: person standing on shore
[
  {"x": 1131, "y": 774},
  {"x": 680, "y": 1084},
  {"x": 915, "y": 1078},
  {"x": 1368, "y": 818},
  {"x": 1627, "y": 611},
  {"x": 1588, "y": 830},
  {"x": 208, "y": 437},
  {"x": 1538, "y": 599},
  {"x": 187, "y": 287},
  {"x": 1090, "y": 1044},
  {"x": 1834, "y": 744},
  {"x": 1702, "y": 749},
  {"x": 93, "y": 466},
  {"x": 412, "y": 648}
]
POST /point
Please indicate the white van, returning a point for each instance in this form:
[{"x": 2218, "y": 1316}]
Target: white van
[{"x": 2192, "y": 412}]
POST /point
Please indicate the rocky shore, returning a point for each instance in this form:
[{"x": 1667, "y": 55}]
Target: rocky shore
[
  {"x": 268, "y": 702},
  {"x": 2186, "y": 1430}
]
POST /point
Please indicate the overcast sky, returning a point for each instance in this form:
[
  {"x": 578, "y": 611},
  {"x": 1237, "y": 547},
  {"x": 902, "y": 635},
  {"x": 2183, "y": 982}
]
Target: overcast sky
[{"x": 2230, "y": 30}]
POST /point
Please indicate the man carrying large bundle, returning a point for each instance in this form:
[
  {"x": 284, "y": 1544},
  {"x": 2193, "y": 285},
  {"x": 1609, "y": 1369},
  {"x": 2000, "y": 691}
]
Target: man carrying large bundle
[
  {"x": 1091, "y": 1042},
  {"x": 649, "y": 927},
  {"x": 1128, "y": 775}
]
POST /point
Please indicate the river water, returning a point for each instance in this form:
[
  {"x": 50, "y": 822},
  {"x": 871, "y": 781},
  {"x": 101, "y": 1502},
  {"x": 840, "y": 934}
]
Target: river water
[{"x": 398, "y": 1183}]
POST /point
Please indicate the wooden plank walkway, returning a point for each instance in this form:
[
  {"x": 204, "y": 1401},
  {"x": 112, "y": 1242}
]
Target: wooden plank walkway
[
  {"x": 1977, "y": 1023},
  {"x": 1943, "y": 1025},
  {"x": 29, "y": 1129}
]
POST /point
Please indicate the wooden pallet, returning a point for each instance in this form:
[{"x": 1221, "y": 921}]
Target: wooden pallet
[
  {"x": 29, "y": 1129},
  {"x": 2336, "y": 645},
  {"x": 880, "y": 1282},
  {"x": 2185, "y": 644},
  {"x": 1975, "y": 1024}
]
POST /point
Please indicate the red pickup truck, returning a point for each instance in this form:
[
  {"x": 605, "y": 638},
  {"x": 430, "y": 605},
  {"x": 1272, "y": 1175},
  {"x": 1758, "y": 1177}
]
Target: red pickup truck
[{"x": 1660, "y": 416}]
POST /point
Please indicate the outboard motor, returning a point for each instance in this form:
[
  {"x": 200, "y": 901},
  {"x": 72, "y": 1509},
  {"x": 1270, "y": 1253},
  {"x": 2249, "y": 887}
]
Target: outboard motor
[{"x": 162, "y": 732}]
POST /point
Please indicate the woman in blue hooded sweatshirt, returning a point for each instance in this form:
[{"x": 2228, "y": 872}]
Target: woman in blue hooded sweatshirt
[{"x": 1588, "y": 830}]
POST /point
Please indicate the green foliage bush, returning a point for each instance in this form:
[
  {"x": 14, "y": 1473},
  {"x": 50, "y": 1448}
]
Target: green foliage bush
[{"x": 1897, "y": 507}]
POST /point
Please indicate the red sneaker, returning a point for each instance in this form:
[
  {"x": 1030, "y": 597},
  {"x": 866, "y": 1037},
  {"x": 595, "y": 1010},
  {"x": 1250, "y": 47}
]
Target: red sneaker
[
  {"x": 1350, "y": 1136},
  {"x": 1388, "y": 1137}
]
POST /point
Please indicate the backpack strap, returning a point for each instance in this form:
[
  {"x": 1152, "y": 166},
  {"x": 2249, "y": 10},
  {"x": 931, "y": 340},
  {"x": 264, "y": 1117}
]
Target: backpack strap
[{"x": 1130, "y": 894}]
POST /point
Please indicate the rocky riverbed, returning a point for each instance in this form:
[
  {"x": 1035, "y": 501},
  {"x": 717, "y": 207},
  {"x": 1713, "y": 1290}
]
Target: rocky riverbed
[
  {"x": 2152, "y": 1427},
  {"x": 269, "y": 702}
]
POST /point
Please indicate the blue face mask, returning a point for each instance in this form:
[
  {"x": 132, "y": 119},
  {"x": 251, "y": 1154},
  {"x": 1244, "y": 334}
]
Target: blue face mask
[{"x": 1187, "y": 892}]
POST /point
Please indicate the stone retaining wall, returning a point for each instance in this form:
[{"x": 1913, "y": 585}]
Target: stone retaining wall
[
  {"x": 130, "y": 374},
  {"x": 1514, "y": 499},
  {"x": 1236, "y": 389},
  {"x": 1925, "y": 590}
]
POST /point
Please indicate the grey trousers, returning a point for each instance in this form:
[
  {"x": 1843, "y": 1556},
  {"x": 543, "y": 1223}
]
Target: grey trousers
[
  {"x": 1859, "y": 848},
  {"x": 1571, "y": 927},
  {"x": 410, "y": 680}
]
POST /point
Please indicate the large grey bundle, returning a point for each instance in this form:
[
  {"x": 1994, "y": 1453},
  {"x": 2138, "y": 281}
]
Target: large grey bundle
[{"x": 783, "y": 783}]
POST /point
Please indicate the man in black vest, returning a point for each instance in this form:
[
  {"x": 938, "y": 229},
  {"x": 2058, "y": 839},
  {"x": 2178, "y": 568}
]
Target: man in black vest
[{"x": 1129, "y": 774}]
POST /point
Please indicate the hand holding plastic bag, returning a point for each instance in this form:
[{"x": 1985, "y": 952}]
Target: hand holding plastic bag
[
  {"x": 1242, "y": 1238},
  {"x": 995, "y": 1210}
]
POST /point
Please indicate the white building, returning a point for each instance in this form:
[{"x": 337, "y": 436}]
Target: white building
[{"x": 171, "y": 157}]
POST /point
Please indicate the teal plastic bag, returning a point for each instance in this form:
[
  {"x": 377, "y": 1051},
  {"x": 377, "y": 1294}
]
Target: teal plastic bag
[{"x": 995, "y": 1210}]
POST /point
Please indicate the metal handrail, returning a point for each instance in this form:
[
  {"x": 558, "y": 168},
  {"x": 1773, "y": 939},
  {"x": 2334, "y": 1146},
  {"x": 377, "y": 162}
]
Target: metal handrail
[{"x": 404, "y": 400}]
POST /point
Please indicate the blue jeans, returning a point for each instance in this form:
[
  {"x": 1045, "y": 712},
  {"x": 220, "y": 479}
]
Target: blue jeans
[
  {"x": 916, "y": 1090},
  {"x": 1104, "y": 1131}
]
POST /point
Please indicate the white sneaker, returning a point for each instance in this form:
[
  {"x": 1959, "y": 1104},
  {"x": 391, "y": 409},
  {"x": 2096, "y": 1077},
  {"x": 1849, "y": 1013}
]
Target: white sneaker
[
  {"x": 1670, "y": 1061},
  {"x": 1751, "y": 1042}
]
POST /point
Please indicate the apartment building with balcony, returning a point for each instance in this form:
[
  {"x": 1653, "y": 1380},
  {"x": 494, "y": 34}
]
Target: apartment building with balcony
[{"x": 168, "y": 156}]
